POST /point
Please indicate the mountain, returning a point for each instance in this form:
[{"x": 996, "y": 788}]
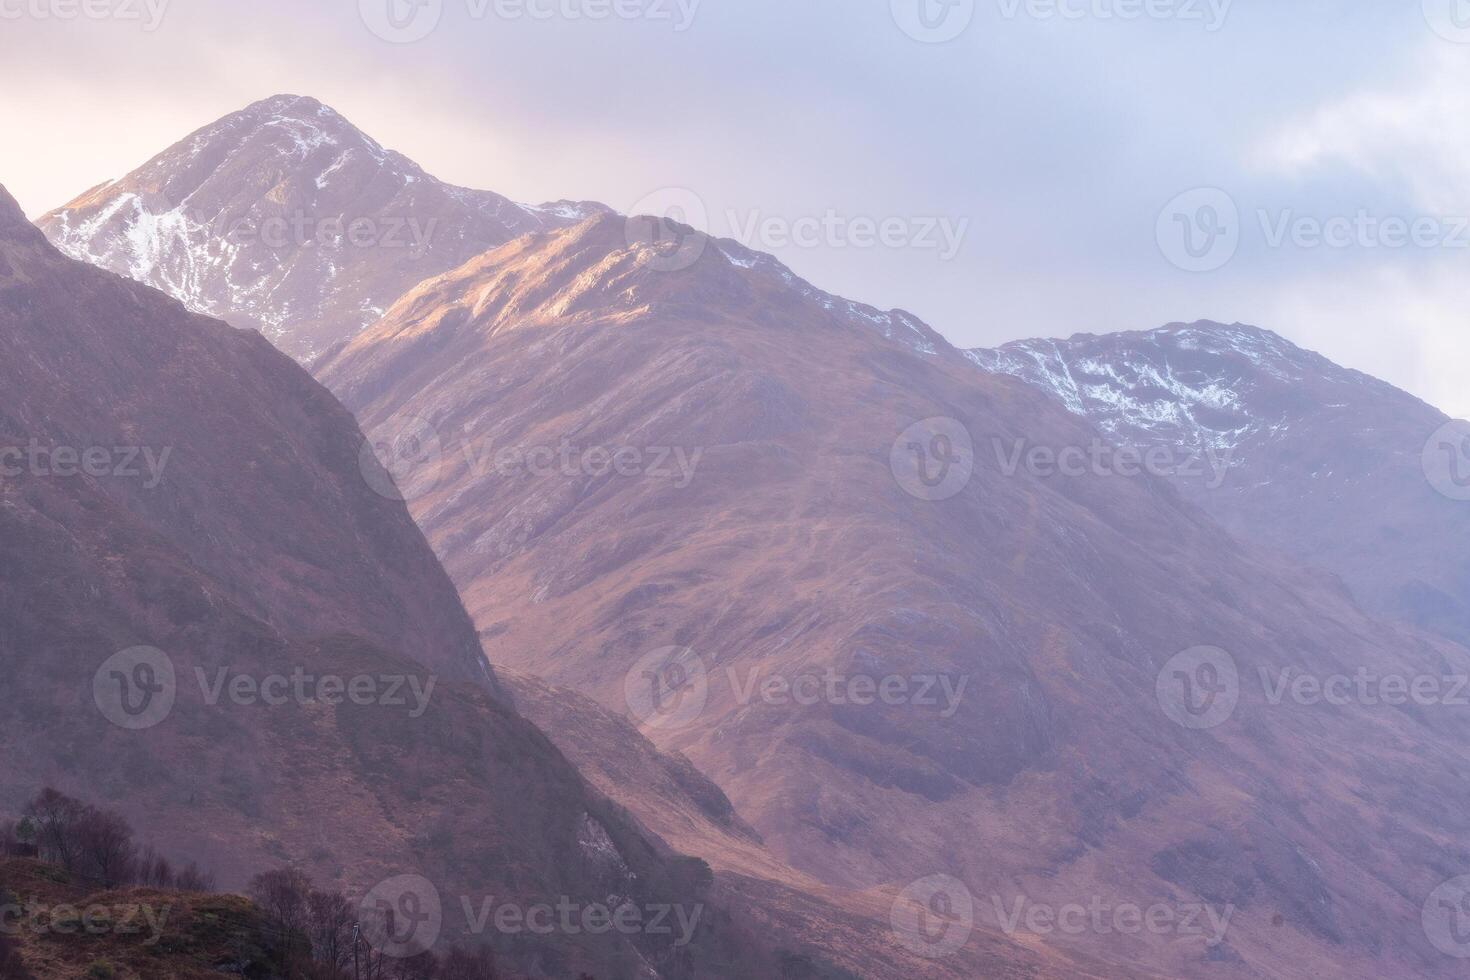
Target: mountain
[
  {"x": 852, "y": 933},
  {"x": 214, "y": 620},
  {"x": 1325, "y": 463},
  {"x": 286, "y": 218},
  {"x": 780, "y": 542}
]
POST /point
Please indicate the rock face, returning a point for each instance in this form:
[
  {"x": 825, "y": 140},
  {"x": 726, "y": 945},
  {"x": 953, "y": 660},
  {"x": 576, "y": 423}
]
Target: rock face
[
  {"x": 286, "y": 218},
  {"x": 1322, "y": 462},
  {"x": 712, "y": 501},
  {"x": 180, "y": 493}
]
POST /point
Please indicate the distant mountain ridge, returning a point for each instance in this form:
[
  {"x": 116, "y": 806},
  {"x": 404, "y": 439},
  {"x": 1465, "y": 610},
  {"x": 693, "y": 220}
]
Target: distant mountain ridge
[
  {"x": 1325, "y": 462},
  {"x": 285, "y": 217}
]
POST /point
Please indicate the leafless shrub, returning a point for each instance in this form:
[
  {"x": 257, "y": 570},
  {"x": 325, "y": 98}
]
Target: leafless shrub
[{"x": 104, "y": 848}]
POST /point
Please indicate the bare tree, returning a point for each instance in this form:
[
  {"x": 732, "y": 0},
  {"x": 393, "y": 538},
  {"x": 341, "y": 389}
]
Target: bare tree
[
  {"x": 191, "y": 879},
  {"x": 284, "y": 895},
  {"x": 55, "y": 816},
  {"x": 374, "y": 965},
  {"x": 105, "y": 851},
  {"x": 424, "y": 966},
  {"x": 460, "y": 964},
  {"x": 154, "y": 870},
  {"x": 330, "y": 920}
]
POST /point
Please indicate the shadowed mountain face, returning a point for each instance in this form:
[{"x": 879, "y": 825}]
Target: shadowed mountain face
[
  {"x": 802, "y": 553},
  {"x": 1334, "y": 467},
  {"x": 285, "y": 217},
  {"x": 249, "y": 469},
  {"x": 253, "y": 654}
]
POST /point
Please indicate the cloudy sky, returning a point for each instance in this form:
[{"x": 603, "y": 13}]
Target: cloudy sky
[{"x": 1002, "y": 168}]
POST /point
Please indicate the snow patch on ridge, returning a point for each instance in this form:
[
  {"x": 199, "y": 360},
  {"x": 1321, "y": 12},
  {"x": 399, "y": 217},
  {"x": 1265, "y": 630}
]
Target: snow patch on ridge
[
  {"x": 894, "y": 325},
  {"x": 1187, "y": 386}
]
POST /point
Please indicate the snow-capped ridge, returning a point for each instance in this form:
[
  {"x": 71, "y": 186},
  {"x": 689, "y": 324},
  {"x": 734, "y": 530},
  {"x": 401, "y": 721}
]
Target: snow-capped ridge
[
  {"x": 248, "y": 219},
  {"x": 899, "y": 326},
  {"x": 1187, "y": 382}
]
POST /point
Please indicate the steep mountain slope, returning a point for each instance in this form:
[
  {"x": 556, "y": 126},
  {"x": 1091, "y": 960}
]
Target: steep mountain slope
[
  {"x": 253, "y": 654},
  {"x": 795, "y": 912},
  {"x": 709, "y": 500},
  {"x": 286, "y": 218},
  {"x": 241, "y": 462},
  {"x": 1298, "y": 453}
]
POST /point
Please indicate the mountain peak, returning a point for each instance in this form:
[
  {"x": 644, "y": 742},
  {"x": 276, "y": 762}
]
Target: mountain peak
[
  {"x": 286, "y": 217},
  {"x": 1221, "y": 337},
  {"x": 1202, "y": 385},
  {"x": 312, "y": 130},
  {"x": 614, "y": 269},
  {"x": 289, "y": 103}
]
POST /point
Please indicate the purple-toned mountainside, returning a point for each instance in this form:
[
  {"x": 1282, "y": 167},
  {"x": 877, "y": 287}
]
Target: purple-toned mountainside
[
  {"x": 213, "y": 621},
  {"x": 1285, "y": 447},
  {"x": 732, "y": 509},
  {"x": 702, "y": 494}
]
